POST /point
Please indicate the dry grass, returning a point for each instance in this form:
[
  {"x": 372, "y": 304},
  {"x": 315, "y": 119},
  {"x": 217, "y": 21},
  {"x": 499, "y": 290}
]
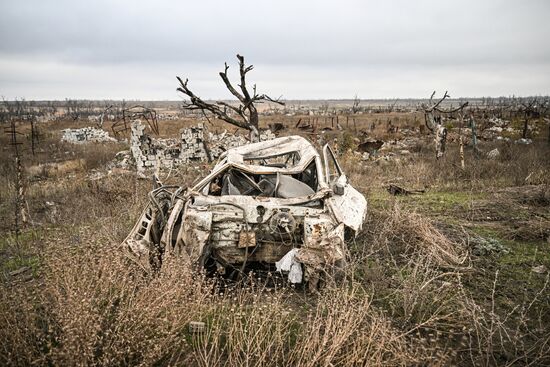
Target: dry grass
[
  {"x": 89, "y": 306},
  {"x": 413, "y": 294}
]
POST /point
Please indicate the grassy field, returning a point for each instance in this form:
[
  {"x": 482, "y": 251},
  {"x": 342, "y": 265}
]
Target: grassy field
[{"x": 457, "y": 275}]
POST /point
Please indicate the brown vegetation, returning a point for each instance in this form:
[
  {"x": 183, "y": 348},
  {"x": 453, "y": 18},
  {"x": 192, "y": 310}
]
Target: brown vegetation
[{"x": 416, "y": 291}]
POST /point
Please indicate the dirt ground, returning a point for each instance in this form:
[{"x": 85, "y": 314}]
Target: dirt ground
[{"x": 456, "y": 274}]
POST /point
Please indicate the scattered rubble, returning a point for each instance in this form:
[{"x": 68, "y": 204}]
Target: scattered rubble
[
  {"x": 370, "y": 146},
  {"x": 493, "y": 154},
  {"x": 149, "y": 153},
  {"x": 196, "y": 327},
  {"x": 524, "y": 141},
  {"x": 86, "y": 135},
  {"x": 385, "y": 151}
]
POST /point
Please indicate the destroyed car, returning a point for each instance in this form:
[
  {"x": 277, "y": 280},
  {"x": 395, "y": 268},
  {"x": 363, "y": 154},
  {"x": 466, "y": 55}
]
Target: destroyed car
[{"x": 273, "y": 204}]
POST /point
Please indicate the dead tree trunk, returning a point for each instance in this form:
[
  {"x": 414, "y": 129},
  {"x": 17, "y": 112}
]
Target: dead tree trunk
[
  {"x": 529, "y": 109},
  {"x": 474, "y": 135},
  {"x": 525, "y": 125},
  {"x": 21, "y": 216},
  {"x": 245, "y": 115},
  {"x": 433, "y": 123}
]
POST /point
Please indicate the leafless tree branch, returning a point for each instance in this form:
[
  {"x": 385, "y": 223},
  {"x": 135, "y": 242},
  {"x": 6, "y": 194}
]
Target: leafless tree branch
[{"x": 246, "y": 113}]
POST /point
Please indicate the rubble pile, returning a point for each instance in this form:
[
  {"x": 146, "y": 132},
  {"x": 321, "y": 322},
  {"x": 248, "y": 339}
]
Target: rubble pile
[
  {"x": 195, "y": 144},
  {"x": 219, "y": 143},
  {"x": 86, "y": 135},
  {"x": 149, "y": 153},
  {"x": 390, "y": 150}
]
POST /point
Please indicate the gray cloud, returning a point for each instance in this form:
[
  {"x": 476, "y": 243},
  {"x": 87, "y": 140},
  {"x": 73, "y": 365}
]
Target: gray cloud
[{"x": 306, "y": 49}]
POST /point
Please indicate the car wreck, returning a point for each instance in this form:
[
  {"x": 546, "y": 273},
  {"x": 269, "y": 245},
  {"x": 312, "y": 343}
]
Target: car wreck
[{"x": 276, "y": 204}]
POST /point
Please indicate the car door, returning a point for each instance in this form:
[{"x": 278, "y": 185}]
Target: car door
[{"x": 348, "y": 205}]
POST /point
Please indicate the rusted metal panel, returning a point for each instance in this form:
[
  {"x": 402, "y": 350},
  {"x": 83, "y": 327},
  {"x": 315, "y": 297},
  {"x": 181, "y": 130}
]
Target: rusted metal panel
[{"x": 247, "y": 239}]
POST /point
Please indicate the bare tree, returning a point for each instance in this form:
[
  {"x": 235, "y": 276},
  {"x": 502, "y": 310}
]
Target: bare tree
[
  {"x": 245, "y": 115},
  {"x": 356, "y": 102},
  {"x": 534, "y": 108},
  {"x": 73, "y": 108},
  {"x": 433, "y": 121}
]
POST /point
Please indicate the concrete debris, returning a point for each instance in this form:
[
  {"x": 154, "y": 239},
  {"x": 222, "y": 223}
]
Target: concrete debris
[
  {"x": 86, "y": 135},
  {"x": 541, "y": 269},
  {"x": 195, "y": 144},
  {"x": 524, "y": 141},
  {"x": 493, "y": 154},
  {"x": 124, "y": 159},
  {"x": 197, "y": 327},
  {"x": 498, "y": 122},
  {"x": 219, "y": 143},
  {"x": 150, "y": 153}
]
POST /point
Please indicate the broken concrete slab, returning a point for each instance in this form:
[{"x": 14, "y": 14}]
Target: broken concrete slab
[
  {"x": 86, "y": 135},
  {"x": 195, "y": 144}
]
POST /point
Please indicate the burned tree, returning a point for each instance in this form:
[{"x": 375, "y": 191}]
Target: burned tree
[
  {"x": 533, "y": 109},
  {"x": 434, "y": 124},
  {"x": 355, "y": 106},
  {"x": 73, "y": 108},
  {"x": 21, "y": 214},
  {"x": 245, "y": 115}
]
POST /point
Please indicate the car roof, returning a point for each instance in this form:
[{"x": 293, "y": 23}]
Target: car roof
[{"x": 273, "y": 148}]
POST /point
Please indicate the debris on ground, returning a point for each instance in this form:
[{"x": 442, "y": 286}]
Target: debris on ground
[
  {"x": 195, "y": 144},
  {"x": 541, "y": 269},
  {"x": 493, "y": 154},
  {"x": 197, "y": 327},
  {"x": 396, "y": 190},
  {"x": 290, "y": 265},
  {"x": 86, "y": 135},
  {"x": 20, "y": 271},
  {"x": 276, "y": 127},
  {"x": 370, "y": 146},
  {"x": 524, "y": 141}
]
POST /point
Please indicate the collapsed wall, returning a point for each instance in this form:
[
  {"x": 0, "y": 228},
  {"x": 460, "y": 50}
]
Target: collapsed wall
[
  {"x": 149, "y": 153},
  {"x": 195, "y": 144},
  {"x": 86, "y": 135}
]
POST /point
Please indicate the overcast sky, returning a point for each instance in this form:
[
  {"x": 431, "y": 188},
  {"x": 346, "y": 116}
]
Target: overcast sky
[{"x": 300, "y": 49}]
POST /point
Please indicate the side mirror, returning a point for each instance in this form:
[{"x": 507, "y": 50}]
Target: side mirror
[
  {"x": 338, "y": 188},
  {"x": 340, "y": 185}
]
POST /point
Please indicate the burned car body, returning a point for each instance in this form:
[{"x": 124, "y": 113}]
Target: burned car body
[{"x": 273, "y": 202}]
